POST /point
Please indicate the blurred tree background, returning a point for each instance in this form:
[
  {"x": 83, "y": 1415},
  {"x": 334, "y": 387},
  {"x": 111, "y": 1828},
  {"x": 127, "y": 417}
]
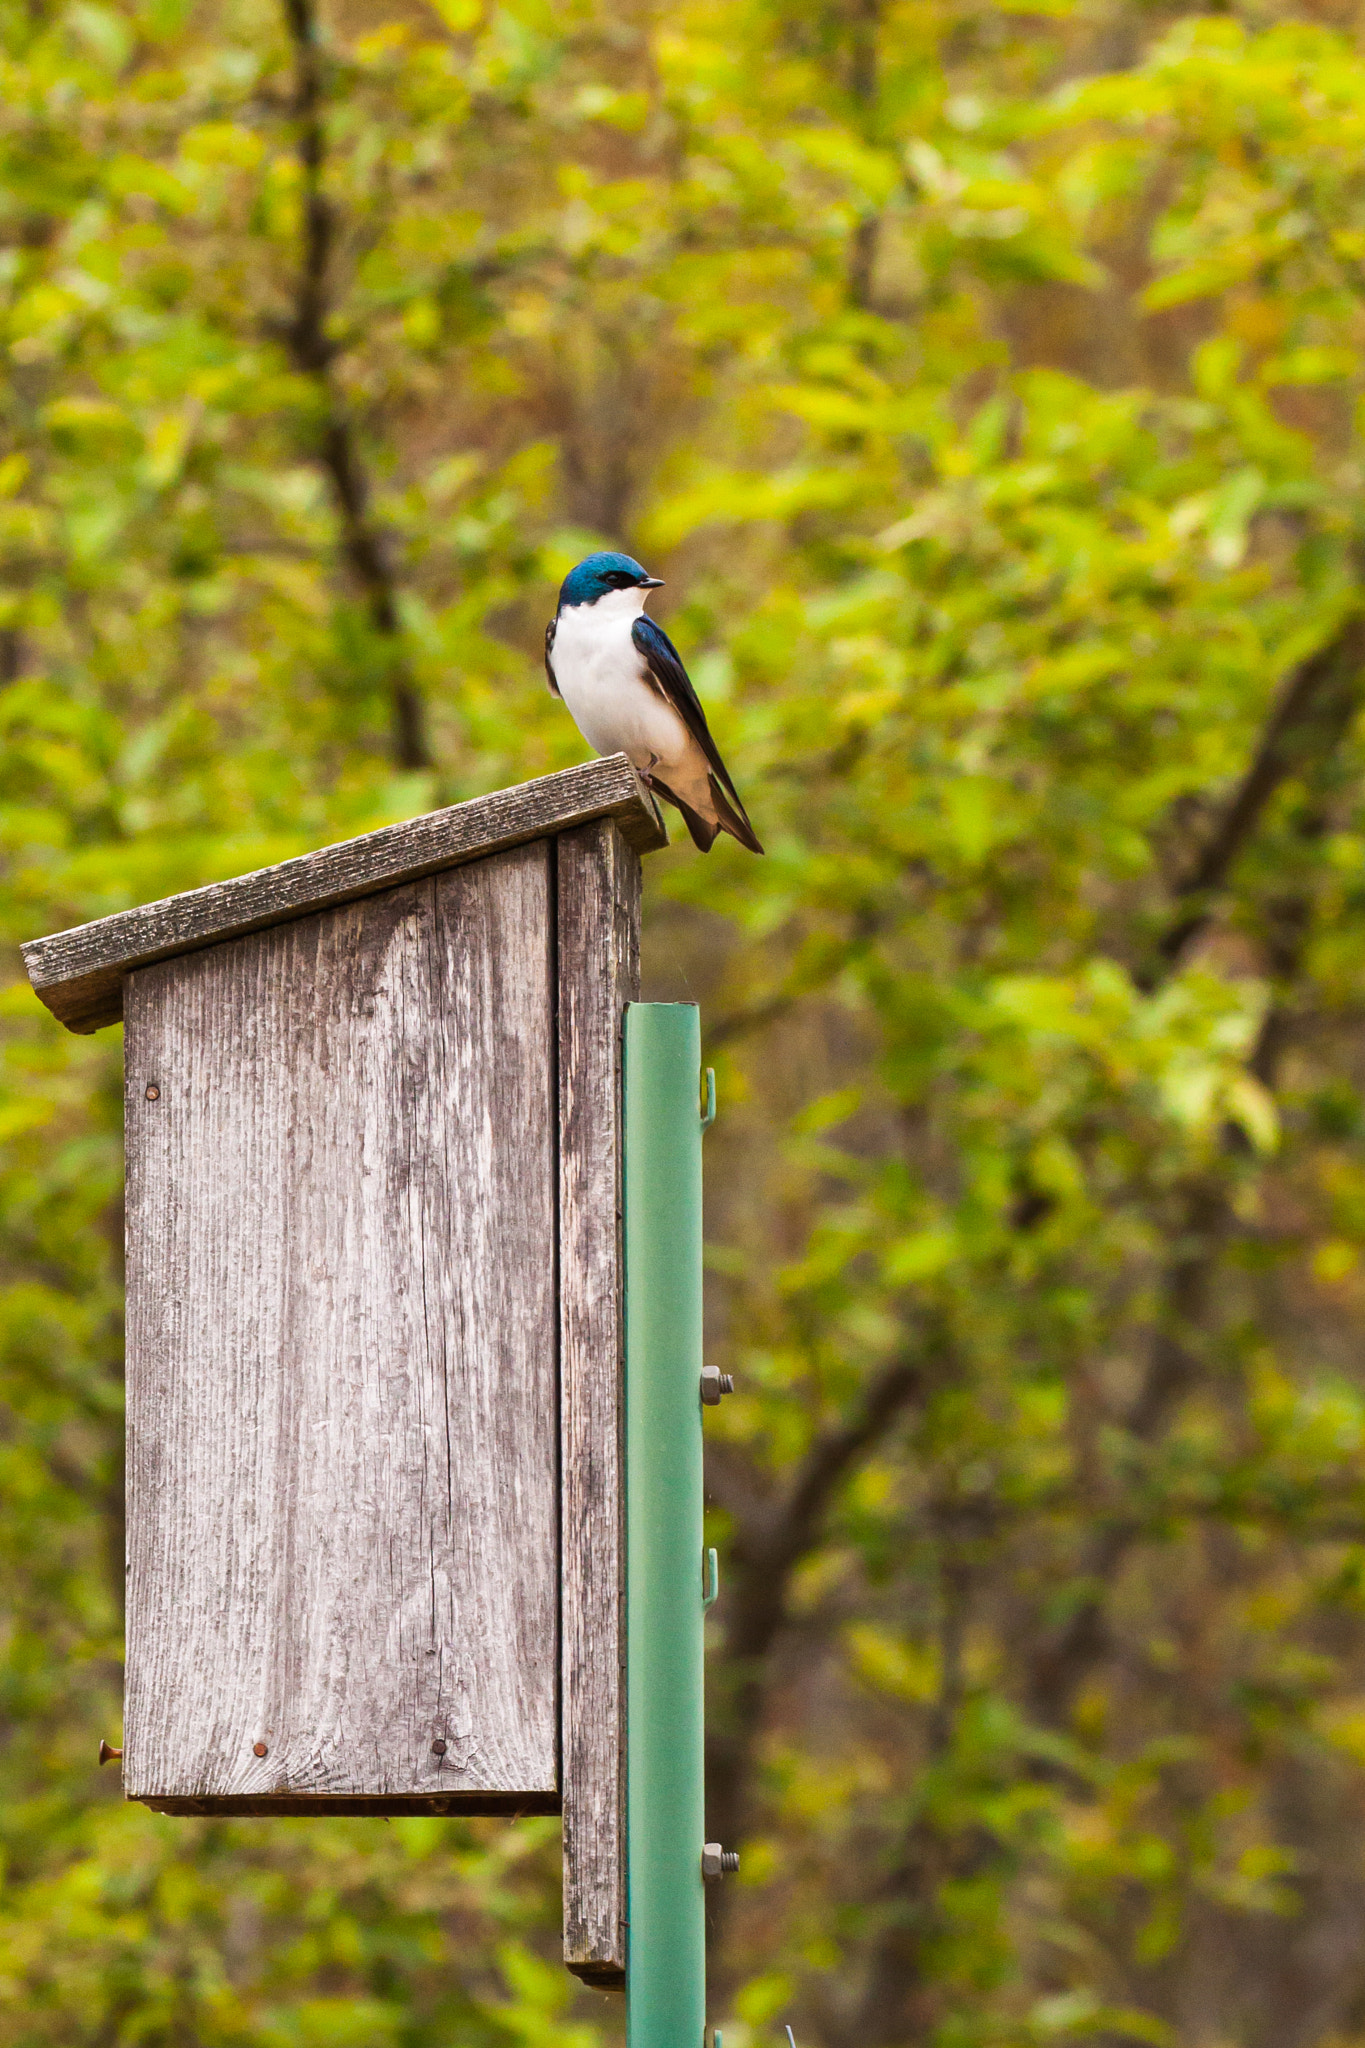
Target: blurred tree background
[{"x": 987, "y": 382}]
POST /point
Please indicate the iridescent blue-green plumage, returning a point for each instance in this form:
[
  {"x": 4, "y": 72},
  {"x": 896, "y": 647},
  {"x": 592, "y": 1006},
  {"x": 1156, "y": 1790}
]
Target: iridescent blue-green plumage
[{"x": 597, "y": 574}]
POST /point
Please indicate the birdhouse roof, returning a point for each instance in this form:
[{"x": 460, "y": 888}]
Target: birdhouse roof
[{"x": 79, "y": 973}]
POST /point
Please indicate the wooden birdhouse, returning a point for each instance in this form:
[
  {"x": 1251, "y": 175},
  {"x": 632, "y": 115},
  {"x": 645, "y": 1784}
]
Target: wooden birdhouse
[{"x": 375, "y": 1535}]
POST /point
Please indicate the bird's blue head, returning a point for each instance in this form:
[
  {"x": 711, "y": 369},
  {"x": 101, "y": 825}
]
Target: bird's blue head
[{"x": 598, "y": 574}]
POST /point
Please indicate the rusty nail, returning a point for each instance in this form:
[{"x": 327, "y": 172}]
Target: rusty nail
[
  {"x": 108, "y": 1751},
  {"x": 438, "y": 1748},
  {"x": 153, "y": 1092},
  {"x": 259, "y": 1749}
]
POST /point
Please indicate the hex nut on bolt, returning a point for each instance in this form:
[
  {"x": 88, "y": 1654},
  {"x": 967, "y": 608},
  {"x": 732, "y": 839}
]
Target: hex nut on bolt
[
  {"x": 714, "y": 1383},
  {"x": 717, "y": 1862}
]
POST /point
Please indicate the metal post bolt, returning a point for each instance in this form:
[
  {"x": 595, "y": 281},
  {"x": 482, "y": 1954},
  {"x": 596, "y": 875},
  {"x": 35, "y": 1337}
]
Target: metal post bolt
[
  {"x": 717, "y": 1862},
  {"x": 714, "y": 1383}
]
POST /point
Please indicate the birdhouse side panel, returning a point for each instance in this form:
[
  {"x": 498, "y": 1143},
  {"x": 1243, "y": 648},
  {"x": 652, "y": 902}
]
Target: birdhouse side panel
[
  {"x": 343, "y": 1552},
  {"x": 599, "y": 974}
]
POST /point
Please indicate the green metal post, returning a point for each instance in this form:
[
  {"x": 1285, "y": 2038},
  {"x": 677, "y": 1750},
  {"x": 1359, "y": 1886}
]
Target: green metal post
[{"x": 665, "y": 1814}]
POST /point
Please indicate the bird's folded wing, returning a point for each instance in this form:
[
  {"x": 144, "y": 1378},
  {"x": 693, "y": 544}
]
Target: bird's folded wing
[
  {"x": 665, "y": 666},
  {"x": 549, "y": 664}
]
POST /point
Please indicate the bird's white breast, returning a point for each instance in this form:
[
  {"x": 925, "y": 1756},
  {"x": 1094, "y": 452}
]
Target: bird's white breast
[{"x": 603, "y": 679}]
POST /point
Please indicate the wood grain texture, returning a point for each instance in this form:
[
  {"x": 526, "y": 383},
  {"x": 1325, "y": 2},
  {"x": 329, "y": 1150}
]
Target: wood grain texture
[
  {"x": 599, "y": 973},
  {"x": 342, "y": 1348},
  {"x": 79, "y": 973}
]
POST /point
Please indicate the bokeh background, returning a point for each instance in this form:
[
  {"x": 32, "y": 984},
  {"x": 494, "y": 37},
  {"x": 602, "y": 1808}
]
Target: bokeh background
[{"x": 986, "y": 381}]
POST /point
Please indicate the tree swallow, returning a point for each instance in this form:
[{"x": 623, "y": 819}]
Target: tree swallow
[{"x": 624, "y": 683}]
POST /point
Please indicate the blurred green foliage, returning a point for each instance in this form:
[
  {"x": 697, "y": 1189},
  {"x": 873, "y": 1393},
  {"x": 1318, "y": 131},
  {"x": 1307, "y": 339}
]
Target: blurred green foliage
[{"x": 987, "y": 385}]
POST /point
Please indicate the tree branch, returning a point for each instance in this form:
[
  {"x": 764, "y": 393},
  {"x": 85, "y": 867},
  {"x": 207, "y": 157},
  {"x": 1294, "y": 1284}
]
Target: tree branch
[
  {"x": 1064, "y": 1657},
  {"x": 1309, "y": 719},
  {"x": 769, "y": 1543},
  {"x": 1309, "y": 722},
  {"x": 863, "y": 86},
  {"x": 1307, "y": 727},
  {"x": 313, "y": 353}
]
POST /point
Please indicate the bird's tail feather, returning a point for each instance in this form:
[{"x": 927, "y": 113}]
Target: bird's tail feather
[
  {"x": 702, "y": 830},
  {"x": 729, "y": 818},
  {"x": 733, "y": 818}
]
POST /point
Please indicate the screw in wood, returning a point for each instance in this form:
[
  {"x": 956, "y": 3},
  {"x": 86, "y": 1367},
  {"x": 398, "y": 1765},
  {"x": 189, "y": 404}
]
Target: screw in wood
[
  {"x": 153, "y": 1092},
  {"x": 259, "y": 1749},
  {"x": 438, "y": 1748}
]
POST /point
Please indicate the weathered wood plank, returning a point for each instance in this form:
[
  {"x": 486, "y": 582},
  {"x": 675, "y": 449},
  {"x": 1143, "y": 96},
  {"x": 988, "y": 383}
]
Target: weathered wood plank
[
  {"x": 599, "y": 972},
  {"x": 79, "y": 973},
  {"x": 342, "y": 1357}
]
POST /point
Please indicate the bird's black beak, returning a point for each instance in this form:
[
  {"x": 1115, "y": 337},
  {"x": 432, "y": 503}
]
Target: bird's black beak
[{"x": 653, "y": 583}]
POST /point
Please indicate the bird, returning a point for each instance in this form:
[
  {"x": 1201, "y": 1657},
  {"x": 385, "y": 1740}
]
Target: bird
[{"x": 625, "y": 686}]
